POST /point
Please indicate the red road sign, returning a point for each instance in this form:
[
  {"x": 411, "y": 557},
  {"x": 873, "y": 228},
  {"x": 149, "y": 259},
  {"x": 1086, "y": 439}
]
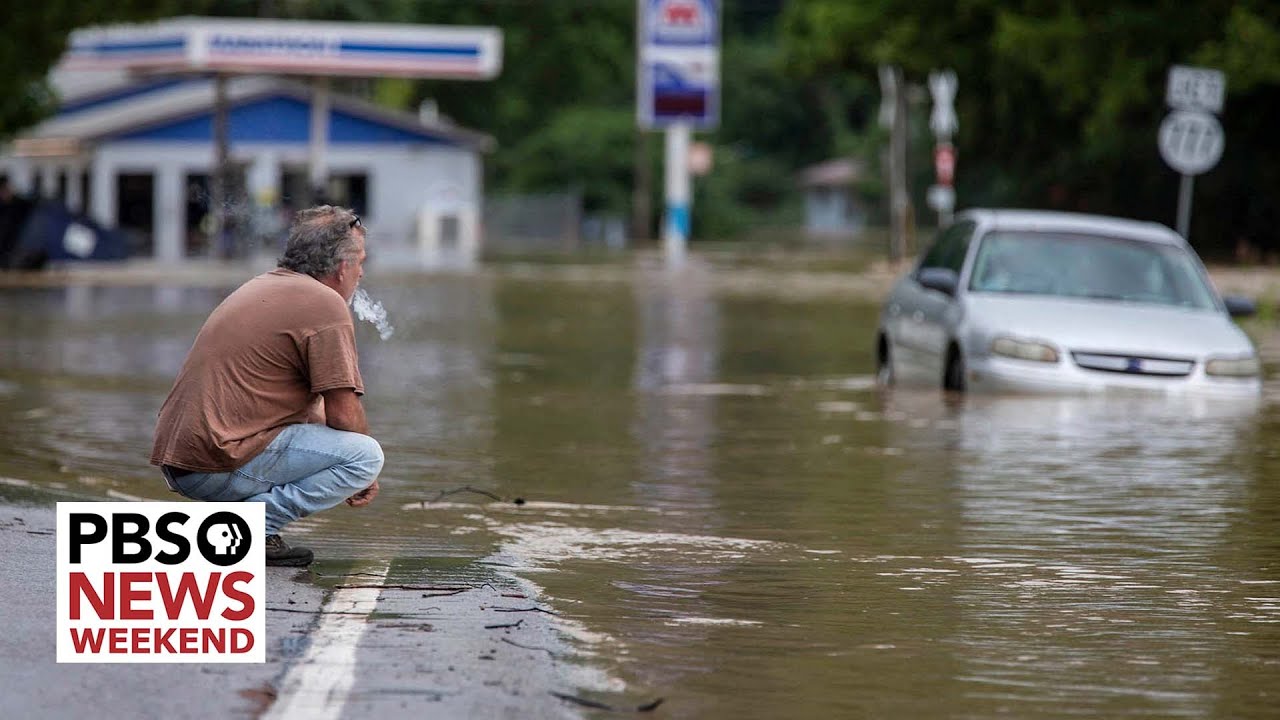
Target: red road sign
[
  {"x": 944, "y": 163},
  {"x": 676, "y": 13}
]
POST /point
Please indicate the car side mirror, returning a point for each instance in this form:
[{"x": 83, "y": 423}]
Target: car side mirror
[
  {"x": 944, "y": 280},
  {"x": 1239, "y": 306}
]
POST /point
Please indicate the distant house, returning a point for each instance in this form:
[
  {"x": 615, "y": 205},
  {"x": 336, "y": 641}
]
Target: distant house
[
  {"x": 136, "y": 153},
  {"x": 832, "y": 209}
]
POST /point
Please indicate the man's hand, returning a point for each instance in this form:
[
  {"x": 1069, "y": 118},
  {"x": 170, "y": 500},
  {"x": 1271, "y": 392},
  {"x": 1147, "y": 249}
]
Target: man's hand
[{"x": 365, "y": 496}]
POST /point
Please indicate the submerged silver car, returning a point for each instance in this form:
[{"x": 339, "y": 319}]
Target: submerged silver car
[{"x": 1029, "y": 301}]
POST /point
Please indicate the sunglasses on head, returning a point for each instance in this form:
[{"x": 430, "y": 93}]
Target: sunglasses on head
[{"x": 355, "y": 221}]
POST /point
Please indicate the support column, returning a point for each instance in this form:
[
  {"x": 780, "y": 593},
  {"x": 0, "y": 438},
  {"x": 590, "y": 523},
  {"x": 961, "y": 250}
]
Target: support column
[
  {"x": 263, "y": 179},
  {"x": 318, "y": 160},
  {"x": 22, "y": 176},
  {"x": 48, "y": 180},
  {"x": 102, "y": 200},
  {"x": 168, "y": 214},
  {"x": 75, "y": 196},
  {"x": 266, "y": 229}
]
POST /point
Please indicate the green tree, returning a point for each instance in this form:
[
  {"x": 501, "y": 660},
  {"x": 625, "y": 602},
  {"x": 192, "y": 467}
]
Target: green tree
[
  {"x": 1059, "y": 102},
  {"x": 35, "y": 36},
  {"x": 586, "y": 147}
]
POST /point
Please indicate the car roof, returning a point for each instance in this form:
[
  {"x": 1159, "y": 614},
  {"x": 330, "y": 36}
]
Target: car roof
[{"x": 1051, "y": 221}]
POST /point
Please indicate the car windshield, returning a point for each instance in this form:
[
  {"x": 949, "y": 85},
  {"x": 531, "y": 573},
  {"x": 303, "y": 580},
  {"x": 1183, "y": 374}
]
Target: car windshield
[{"x": 1090, "y": 266}]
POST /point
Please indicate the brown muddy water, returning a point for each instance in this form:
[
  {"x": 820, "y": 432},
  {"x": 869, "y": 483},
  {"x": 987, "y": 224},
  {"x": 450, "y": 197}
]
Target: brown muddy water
[{"x": 723, "y": 508}]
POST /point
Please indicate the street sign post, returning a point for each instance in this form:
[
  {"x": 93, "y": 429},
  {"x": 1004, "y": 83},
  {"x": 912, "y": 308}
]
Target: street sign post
[
  {"x": 678, "y": 90},
  {"x": 944, "y": 123},
  {"x": 1190, "y": 138}
]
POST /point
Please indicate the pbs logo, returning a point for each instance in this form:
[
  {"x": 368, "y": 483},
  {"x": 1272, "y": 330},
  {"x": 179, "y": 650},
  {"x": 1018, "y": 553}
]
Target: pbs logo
[{"x": 224, "y": 538}]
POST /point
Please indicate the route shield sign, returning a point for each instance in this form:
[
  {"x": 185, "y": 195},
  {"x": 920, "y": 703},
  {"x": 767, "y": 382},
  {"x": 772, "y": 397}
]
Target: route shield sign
[
  {"x": 1191, "y": 142},
  {"x": 678, "y": 75}
]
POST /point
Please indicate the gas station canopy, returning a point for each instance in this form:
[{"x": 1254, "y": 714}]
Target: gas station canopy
[{"x": 195, "y": 44}]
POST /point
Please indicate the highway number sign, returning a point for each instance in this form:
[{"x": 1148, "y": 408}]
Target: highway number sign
[
  {"x": 1192, "y": 88},
  {"x": 1191, "y": 142}
]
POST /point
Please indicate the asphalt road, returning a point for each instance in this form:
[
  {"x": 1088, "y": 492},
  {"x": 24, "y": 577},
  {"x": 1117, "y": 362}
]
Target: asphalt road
[{"x": 375, "y": 650}]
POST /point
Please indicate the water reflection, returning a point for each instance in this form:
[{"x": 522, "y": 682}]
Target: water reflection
[
  {"x": 676, "y": 360},
  {"x": 112, "y": 334},
  {"x": 91, "y": 365},
  {"x": 1088, "y": 547}
]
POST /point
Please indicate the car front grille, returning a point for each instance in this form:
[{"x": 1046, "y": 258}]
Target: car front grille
[{"x": 1133, "y": 365}]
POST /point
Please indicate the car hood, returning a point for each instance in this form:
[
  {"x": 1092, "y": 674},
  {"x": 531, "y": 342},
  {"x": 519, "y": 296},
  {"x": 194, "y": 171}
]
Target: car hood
[{"x": 1109, "y": 327}]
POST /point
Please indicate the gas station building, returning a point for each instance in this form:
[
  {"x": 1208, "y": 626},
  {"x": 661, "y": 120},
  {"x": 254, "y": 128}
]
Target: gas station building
[{"x": 136, "y": 138}]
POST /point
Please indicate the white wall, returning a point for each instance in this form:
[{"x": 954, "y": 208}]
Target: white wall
[{"x": 437, "y": 179}]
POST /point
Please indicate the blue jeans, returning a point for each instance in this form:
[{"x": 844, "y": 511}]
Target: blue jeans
[{"x": 306, "y": 468}]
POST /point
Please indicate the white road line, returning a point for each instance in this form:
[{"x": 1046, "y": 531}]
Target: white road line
[{"x": 317, "y": 686}]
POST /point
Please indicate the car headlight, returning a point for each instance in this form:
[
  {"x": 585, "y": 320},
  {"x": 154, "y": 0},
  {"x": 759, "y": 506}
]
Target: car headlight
[
  {"x": 1024, "y": 349},
  {"x": 1247, "y": 366}
]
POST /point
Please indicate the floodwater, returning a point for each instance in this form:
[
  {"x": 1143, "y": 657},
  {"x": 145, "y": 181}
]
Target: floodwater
[{"x": 724, "y": 510}]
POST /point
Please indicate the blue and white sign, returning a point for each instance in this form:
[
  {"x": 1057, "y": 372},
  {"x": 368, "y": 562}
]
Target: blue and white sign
[
  {"x": 290, "y": 47},
  {"x": 678, "y": 75}
]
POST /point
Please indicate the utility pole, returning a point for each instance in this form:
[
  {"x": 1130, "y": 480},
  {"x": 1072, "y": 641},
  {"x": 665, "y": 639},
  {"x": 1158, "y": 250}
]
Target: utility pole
[
  {"x": 641, "y": 189},
  {"x": 893, "y": 115}
]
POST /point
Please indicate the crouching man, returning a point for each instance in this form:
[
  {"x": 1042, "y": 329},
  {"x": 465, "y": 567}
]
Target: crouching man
[{"x": 266, "y": 407}]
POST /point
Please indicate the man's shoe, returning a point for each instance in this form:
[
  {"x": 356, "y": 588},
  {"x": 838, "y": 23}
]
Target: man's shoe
[{"x": 279, "y": 554}]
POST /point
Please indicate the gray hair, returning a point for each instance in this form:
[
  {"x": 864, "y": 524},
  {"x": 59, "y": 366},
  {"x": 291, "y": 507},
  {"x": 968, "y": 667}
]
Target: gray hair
[{"x": 320, "y": 238}]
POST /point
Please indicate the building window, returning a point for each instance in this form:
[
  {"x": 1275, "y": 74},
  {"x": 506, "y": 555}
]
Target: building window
[
  {"x": 345, "y": 189},
  {"x": 135, "y": 211}
]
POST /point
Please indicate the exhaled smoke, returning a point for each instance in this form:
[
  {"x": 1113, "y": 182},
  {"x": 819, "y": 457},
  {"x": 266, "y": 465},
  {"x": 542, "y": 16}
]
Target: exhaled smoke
[{"x": 371, "y": 310}]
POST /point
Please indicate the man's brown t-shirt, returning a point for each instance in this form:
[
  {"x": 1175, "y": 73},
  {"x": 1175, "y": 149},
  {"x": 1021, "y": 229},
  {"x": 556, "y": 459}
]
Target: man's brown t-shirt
[{"x": 259, "y": 363}]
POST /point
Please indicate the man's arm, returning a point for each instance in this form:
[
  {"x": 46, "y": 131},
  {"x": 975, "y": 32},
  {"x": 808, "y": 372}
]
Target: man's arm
[{"x": 344, "y": 411}]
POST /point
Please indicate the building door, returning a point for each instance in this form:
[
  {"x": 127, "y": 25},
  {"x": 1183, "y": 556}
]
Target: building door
[{"x": 135, "y": 211}]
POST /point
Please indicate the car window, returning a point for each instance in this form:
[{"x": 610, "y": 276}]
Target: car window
[
  {"x": 950, "y": 248},
  {"x": 1089, "y": 266}
]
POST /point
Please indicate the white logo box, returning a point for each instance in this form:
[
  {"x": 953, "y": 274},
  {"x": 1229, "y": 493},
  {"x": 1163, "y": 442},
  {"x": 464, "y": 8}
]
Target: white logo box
[{"x": 160, "y": 609}]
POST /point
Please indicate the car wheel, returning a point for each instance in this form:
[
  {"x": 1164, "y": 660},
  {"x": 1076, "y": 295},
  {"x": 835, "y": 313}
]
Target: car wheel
[
  {"x": 884, "y": 364},
  {"x": 953, "y": 379}
]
